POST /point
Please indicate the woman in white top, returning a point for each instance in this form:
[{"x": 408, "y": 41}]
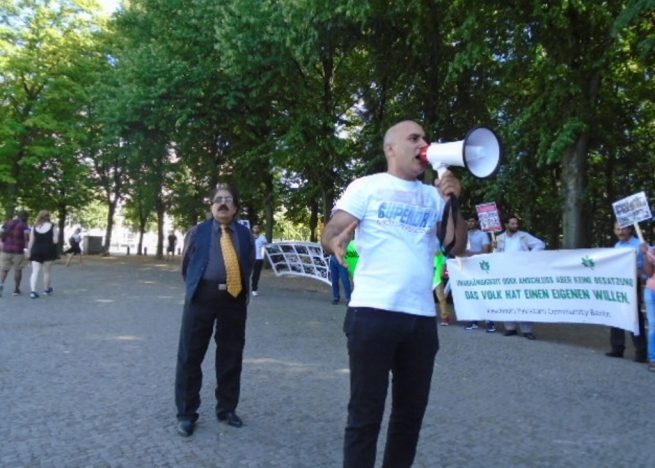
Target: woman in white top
[{"x": 42, "y": 251}]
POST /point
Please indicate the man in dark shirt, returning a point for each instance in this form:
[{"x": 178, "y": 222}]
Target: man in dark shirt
[
  {"x": 172, "y": 242},
  {"x": 14, "y": 238},
  {"x": 216, "y": 295}
]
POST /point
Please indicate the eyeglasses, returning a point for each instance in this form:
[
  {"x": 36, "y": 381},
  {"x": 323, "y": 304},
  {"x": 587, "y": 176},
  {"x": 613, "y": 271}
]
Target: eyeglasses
[{"x": 223, "y": 199}]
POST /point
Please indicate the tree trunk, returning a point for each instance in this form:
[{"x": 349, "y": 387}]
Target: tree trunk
[
  {"x": 110, "y": 225},
  {"x": 573, "y": 188},
  {"x": 269, "y": 207},
  {"x": 313, "y": 222},
  {"x": 574, "y": 180},
  {"x": 160, "y": 209},
  {"x": 142, "y": 230},
  {"x": 62, "y": 213},
  {"x": 328, "y": 203}
]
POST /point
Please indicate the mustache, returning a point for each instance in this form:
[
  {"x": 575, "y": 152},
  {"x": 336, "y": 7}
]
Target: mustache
[{"x": 223, "y": 208}]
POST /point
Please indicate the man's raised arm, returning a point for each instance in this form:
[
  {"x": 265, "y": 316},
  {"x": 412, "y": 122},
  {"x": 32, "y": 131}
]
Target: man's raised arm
[{"x": 338, "y": 232}]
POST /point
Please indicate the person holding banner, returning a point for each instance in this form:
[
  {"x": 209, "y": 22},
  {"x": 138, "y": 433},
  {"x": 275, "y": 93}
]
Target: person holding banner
[
  {"x": 649, "y": 299},
  {"x": 390, "y": 323},
  {"x": 628, "y": 240},
  {"x": 478, "y": 243},
  {"x": 513, "y": 240}
]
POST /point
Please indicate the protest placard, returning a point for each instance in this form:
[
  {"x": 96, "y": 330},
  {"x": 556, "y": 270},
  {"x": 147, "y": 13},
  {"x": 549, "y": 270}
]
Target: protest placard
[
  {"x": 631, "y": 210},
  {"x": 489, "y": 217}
]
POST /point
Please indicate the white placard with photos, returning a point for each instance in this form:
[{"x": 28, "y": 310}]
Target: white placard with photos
[{"x": 299, "y": 259}]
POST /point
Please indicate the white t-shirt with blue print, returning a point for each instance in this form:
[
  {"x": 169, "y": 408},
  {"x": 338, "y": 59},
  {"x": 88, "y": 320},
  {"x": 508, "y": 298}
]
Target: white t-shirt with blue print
[{"x": 396, "y": 240}]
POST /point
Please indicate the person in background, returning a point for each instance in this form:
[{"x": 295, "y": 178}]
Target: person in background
[
  {"x": 216, "y": 266},
  {"x": 75, "y": 246},
  {"x": 478, "y": 243},
  {"x": 649, "y": 300},
  {"x": 172, "y": 243},
  {"x": 627, "y": 240},
  {"x": 260, "y": 243},
  {"x": 513, "y": 240},
  {"x": 390, "y": 323},
  {"x": 339, "y": 272},
  {"x": 42, "y": 248},
  {"x": 13, "y": 239}
]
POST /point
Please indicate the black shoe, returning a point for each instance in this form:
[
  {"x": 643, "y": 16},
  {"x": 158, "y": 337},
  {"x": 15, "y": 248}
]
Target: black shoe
[
  {"x": 641, "y": 358},
  {"x": 231, "y": 418},
  {"x": 618, "y": 354},
  {"x": 530, "y": 336},
  {"x": 185, "y": 428},
  {"x": 335, "y": 301},
  {"x": 509, "y": 333}
]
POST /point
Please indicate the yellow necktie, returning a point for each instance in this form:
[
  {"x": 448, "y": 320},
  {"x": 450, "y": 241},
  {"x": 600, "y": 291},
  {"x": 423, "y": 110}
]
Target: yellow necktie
[{"x": 231, "y": 260}]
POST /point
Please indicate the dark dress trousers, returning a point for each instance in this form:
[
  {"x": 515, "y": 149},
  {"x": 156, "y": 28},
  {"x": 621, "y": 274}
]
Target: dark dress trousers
[{"x": 210, "y": 309}]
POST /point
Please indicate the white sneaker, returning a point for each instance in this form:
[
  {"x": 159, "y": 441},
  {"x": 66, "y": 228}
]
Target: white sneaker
[{"x": 255, "y": 293}]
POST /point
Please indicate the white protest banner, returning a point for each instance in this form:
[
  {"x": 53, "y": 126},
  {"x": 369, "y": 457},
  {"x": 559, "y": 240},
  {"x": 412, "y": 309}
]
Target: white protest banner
[
  {"x": 488, "y": 217},
  {"x": 632, "y": 209},
  {"x": 574, "y": 286},
  {"x": 300, "y": 259}
]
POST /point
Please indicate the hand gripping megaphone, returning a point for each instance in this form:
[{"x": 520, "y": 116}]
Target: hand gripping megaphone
[{"x": 479, "y": 152}]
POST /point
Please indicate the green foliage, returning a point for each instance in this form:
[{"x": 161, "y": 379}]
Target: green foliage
[
  {"x": 47, "y": 61},
  {"x": 91, "y": 215},
  {"x": 289, "y": 101},
  {"x": 287, "y": 230}
]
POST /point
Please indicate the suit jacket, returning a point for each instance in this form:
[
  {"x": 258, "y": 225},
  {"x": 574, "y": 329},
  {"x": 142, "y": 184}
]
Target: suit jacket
[{"x": 196, "y": 255}]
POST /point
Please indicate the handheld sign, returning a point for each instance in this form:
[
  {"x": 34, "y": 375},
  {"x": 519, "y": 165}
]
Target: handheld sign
[
  {"x": 351, "y": 257},
  {"x": 439, "y": 266},
  {"x": 632, "y": 210},
  {"x": 489, "y": 217}
]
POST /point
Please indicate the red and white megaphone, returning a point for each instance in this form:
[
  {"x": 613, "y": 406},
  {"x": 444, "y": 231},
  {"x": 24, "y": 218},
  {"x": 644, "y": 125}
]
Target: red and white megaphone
[{"x": 479, "y": 152}]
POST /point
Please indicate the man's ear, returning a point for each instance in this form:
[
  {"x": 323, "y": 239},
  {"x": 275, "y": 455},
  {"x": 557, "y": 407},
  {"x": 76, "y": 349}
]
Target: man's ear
[{"x": 388, "y": 149}]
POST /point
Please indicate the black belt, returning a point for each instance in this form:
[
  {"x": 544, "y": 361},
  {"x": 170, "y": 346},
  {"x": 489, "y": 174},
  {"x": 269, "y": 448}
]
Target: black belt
[{"x": 214, "y": 285}]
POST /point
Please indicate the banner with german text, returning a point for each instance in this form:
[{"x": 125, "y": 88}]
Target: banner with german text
[{"x": 597, "y": 286}]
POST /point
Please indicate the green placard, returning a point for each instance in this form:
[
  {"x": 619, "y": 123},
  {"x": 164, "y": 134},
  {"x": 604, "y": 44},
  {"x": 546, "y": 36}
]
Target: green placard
[{"x": 351, "y": 257}]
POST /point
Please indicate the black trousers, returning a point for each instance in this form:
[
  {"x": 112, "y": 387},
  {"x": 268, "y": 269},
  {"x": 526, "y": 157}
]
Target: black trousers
[
  {"x": 640, "y": 342},
  {"x": 210, "y": 311},
  {"x": 256, "y": 273},
  {"x": 380, "y": 342}
]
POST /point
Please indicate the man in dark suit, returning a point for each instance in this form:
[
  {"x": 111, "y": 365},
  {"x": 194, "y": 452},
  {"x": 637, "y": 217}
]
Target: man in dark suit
[{"x": 216, "y": 293}]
